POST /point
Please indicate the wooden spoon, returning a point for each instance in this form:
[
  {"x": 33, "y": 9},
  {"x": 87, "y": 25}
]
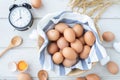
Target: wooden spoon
[
  {"x": 42, "y": 75},
  {"x": 16, "y": 41}
]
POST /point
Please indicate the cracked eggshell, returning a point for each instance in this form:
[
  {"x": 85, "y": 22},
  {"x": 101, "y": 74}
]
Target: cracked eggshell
[
  {"x": 33, "y": 35},
  {"x": 12, "y": 66}
]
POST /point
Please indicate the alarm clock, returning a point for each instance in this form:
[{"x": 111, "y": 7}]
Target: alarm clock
[{"x": 20, "y": 16}]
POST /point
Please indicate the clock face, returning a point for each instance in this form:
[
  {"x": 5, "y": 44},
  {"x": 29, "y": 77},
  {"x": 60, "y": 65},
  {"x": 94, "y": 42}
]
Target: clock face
[{"x": 20, "y": 17}]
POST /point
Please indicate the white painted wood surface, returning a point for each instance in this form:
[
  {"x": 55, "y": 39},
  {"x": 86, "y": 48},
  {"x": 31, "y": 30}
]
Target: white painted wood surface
[{"x": 110, "y": 21}]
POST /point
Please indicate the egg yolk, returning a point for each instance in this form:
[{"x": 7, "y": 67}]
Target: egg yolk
[{"x": 22, "y": 65}]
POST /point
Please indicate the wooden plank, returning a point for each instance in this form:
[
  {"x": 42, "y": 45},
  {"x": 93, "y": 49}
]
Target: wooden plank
[
  {"x": 110, "y": 22},
  {"x": 30, "y": 55},
  {"x": 110, "y": 25},
  {"x": 52, "y": 6},
  {"x": 7, "y": 32}
]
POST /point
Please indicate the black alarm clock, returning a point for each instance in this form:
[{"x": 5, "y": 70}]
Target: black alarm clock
[{"x": 20, "y": 16}]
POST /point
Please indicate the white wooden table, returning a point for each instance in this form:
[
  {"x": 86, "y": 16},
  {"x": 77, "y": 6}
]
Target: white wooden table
[{"x": 110, "y": 21}]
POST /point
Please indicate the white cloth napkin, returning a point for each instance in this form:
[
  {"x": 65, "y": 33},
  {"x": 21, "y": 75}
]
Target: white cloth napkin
[{"x": 97, "y": 52}]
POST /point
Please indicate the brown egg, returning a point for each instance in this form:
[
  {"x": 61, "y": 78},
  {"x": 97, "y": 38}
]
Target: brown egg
[
  {"x": 77, "y": 46},
  {"x": 78, "y": 30},
  {"x": 85, "y": 53},
  {"x": 81, "y": 78},
  {"x": 36, "y": 3},
  {"x": 82, "y": 40},
  {"x": 69, "y": 53},
  {"x": 57, "y": 58},
  {"x": 68, "y": 63},
  {"x": 112, "y": 67},
  {"x": 52, "y": 48},
  {"x": 108, "y": 36},
  {"x": 61, "y": 27},
  {"x": 69, "y": 35},
  {"x": 62, "y": 43},
  {"x": 24, "y": 76},
  {"x": 53, "y": 35},
  {"x": 89, "y": 38},
  {"x": 92, "y": 77}
]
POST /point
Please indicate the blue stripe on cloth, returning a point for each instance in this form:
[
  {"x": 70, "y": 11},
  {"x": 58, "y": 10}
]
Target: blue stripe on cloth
[
  {"x": 73, "y": 67},
  {"x": 84, "y": 65},
  {"x": 42, "y": 57},
  {"x": 52, "y": 64},
  {"x": 57, "y": 17},
  {"x": 89, "y": 61},
  {"x": 98, "y": 52},
  {"x": 70, "y": 21},
  {"x": 62, "y": 70},
  {"x": 47, "y": 26},
  {"x": 96, "y": 34}
]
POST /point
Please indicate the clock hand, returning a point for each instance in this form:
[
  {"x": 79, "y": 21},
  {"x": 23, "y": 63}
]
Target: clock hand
[
  {"x": 20, "y": 13},
  {"x": 17, "y": 19},
  {"x": 19, "y": 16}
]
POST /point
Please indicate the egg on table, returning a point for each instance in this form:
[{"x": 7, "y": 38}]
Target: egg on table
[
  {"x": 36, "y": 3},
  {"x": 24, "y": 76},
  {"x": 108, "y": 36},
  {"x": 81, "y": 78},
  {"x": 112, "y": 67},
  {"x": 92, "y": 77}
]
